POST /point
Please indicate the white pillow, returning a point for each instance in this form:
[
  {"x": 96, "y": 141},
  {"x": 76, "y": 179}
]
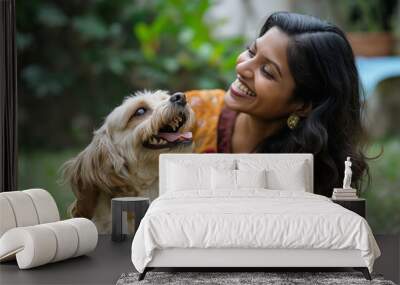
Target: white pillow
[
  {"x": 251, "y": 178},
  {"x": 293, "y": 179},
  {"x": 223, "y": 179},
  {"x": 184, "y": 174},
  {"x": 226, "y": 179},
  {"x": 183, "y": 178},
  {"x": 281, "y": 174}
]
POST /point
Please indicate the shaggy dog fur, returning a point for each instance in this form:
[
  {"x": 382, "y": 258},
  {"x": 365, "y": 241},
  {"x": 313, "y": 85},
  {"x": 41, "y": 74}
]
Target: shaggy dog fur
[{"x": 122, "y": 159}]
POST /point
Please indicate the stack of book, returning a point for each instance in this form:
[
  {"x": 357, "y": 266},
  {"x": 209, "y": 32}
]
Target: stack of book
[{"x": 344, "y": 194}]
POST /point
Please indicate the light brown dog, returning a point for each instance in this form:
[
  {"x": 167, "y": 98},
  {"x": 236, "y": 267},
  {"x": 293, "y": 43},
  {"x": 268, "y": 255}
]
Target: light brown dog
[{"x": 122, "y": 159}]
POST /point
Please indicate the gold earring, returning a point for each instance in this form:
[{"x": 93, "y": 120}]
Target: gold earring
[{"x": 292, "y": 121}]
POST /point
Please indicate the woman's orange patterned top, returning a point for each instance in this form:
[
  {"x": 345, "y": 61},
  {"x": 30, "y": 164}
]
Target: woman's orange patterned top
[{"x": 214, "y": 123}]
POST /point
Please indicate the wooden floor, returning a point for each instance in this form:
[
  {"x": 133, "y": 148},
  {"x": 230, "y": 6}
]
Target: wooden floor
[{"x": 111, "y": 259}]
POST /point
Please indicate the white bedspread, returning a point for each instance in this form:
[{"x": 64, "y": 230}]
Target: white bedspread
[{"x": 250, "y": 218}]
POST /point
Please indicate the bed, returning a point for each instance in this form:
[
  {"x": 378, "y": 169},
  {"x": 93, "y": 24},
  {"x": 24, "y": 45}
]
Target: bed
[{"x": 247, "y": 210}]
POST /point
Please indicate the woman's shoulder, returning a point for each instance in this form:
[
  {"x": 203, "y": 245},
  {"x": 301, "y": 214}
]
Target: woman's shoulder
[{"x": 207, "y": 106}]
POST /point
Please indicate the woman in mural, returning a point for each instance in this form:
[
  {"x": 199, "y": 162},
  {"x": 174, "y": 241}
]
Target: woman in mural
[{"x": 297, "y": 91}]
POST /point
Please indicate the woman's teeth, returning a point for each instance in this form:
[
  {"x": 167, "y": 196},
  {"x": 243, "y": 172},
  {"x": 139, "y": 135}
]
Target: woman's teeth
[{"x": 243, "y": 88}]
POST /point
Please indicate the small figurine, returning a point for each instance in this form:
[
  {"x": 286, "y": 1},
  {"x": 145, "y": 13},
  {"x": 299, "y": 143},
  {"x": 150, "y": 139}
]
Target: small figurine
[
  {"x": 345, "y": 193},
  {"x": 347, "y": 174}
]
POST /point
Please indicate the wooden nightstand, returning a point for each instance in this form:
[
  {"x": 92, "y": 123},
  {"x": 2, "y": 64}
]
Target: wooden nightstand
[{"x": 355, "y": 205}]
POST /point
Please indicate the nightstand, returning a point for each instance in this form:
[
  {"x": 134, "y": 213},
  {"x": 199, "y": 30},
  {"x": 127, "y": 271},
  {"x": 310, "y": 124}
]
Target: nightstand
[
  {"x": 355, "y": 205},
  {"x": 137, "y": 205}
]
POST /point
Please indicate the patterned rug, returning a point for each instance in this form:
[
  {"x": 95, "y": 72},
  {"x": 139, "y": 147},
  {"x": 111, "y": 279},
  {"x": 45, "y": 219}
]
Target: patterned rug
[{"x": 230, "y": 278}]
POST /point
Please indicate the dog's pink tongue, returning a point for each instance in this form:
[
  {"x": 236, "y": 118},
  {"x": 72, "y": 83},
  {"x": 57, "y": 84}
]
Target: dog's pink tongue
[{"x": 171, "y": 137}]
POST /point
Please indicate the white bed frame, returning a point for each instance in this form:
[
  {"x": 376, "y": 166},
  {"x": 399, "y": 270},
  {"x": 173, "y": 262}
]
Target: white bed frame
[{"x": 250, "y": 257}]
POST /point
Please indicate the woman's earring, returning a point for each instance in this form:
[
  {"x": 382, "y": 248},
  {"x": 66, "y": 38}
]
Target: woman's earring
[{"x": 292, "y": 121}]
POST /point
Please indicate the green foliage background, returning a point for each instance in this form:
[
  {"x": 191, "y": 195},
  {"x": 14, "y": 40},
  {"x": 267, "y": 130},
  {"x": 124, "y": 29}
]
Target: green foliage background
[{"x": 78, "y": 59}]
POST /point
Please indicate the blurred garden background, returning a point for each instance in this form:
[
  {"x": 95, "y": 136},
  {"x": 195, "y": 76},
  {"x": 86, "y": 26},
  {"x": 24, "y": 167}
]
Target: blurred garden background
[{"x": 77, "y": 60}]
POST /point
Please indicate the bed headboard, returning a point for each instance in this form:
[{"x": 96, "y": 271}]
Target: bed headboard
[{"x": 209, "y": 158}]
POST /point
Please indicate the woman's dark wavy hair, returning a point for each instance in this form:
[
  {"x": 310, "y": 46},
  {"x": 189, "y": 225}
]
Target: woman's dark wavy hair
[{"x": 322, "y": 64}]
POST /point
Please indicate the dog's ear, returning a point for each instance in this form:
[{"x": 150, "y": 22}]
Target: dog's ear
[
  {"x": 97, "y": 168},
  {"x": 78, "y": 173}
]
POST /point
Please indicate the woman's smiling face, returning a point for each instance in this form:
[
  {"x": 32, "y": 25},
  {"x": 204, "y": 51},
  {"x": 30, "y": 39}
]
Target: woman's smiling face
[{"x": 264, "y": 83}]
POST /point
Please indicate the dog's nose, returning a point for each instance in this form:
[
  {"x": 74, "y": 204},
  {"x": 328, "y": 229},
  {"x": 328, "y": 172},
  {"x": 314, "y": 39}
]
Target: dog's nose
[{"x": 178, "y": 98}]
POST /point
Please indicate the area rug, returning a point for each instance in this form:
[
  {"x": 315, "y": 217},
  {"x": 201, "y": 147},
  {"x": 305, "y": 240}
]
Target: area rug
[{"x": 230, "y": 278}]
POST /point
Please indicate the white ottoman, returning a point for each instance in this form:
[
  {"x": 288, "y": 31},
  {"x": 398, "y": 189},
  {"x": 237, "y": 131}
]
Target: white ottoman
[
  {"x": 31, "y": 232},
  {"x": 26, "y": 208}
]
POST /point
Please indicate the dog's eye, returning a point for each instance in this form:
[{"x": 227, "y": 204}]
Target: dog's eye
[{"x": 140, "y": 112}]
